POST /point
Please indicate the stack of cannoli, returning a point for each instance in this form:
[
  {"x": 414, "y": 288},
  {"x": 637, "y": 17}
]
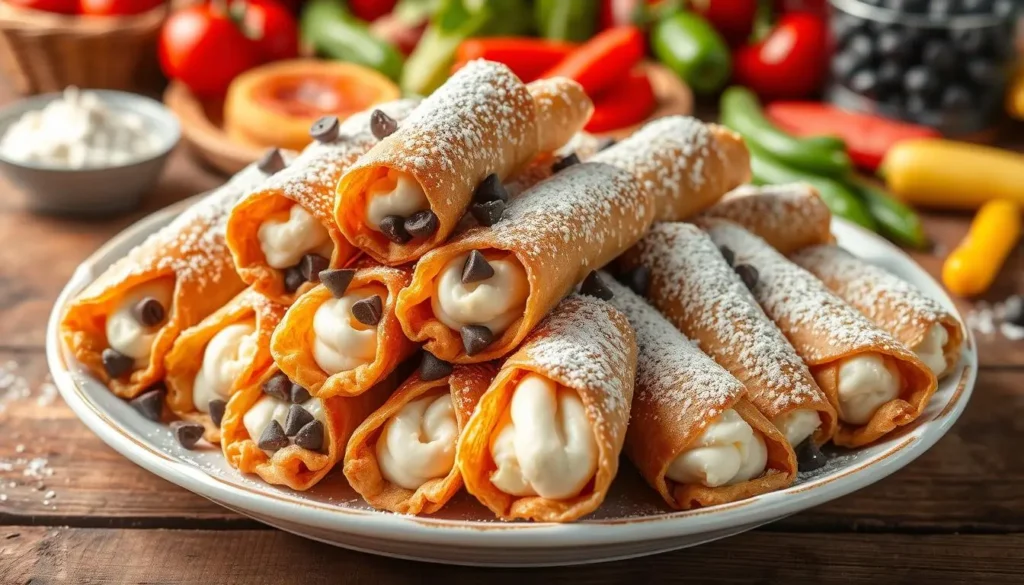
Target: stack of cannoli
[{"x": 418, "y": 301}]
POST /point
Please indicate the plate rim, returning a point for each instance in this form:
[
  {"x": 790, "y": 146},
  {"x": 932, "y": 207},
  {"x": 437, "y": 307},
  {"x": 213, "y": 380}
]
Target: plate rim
[{"x": 480, "y": 535}]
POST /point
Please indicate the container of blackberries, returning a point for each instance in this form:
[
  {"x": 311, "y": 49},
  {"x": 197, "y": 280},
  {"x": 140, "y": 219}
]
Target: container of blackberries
[{"x": 941, "y": 63}]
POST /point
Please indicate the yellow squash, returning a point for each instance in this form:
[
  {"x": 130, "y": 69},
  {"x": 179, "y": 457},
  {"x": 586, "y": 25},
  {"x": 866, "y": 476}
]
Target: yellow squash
[
  {"x": 953, "y": 175},
  {"x": 972, "y": 267}
]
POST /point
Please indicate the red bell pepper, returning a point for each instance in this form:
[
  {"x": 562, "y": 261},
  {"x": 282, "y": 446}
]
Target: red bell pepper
[
  {"x": 527, "y": 57},
  {"x": 604, "y": 60},
  {"x": 867, "y": 137},
  {"x": 790, "y": 62},
  {"x": 734, "y": 19},
  {"x": 629, "y": 102}
]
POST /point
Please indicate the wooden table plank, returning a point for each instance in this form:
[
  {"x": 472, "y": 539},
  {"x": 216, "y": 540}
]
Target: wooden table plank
[{"x": 70, "y": 555}]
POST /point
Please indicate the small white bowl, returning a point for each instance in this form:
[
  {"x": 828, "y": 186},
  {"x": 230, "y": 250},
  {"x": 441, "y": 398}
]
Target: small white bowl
[{"x": 94, "y": 190}]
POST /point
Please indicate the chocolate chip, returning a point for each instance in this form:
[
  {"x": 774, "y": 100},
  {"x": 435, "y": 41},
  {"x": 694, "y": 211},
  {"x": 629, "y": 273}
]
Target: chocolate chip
[
  {"x": 1015, "y": 310},
  {"x": 311, "y": 265},
  {"x": 487, "y": 213},
  {"x": 299, "y": 394},
  {"x": 382, "y": 125},
  {"x": 728, "y": 254},
  {"x": 311, "y": 436},
  {"x": 187, "y": 432},
  {"x": 808, "y": 456},
  {"x": 393, "y": 228},
  {"x": 271, "y": 162},
  {"x": 216, "y": 409},
  {"x": 273, "y": 437},
  {"x": 278, "y": 386},
  {"x": 368, "y": 311},
  {"x": 150, "y": 404},
  {"x": 565, "y": 163},
  {"x": 325, "y": 129},
  {"x": 293, "y": 279},
  {"x": 421, "y": 224},
  {"x": 748, "y": 274},
  {"x": 148, "y": 312},
  {"x": 638, "y": 279},
  {"x": 116, "y": 363},
  {"x": 433, "y": 368},
  {"x": 337, "y": 281},
  {"x": 476, "y": 338},
  {"x": 606, "y": 143},
  {"x": 476, "y": 268},
  {"x": 298, "y": 417},
  {"x": 490, "y": 189},
  {"x": 594, "y": 286}
]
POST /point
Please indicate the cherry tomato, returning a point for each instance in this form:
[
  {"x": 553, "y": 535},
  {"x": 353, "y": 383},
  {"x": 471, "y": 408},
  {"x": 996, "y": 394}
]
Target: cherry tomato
[
  {"x": 733, "y": 18},
  {"x": 60, "y": 6},
  {"x": 204, "y": 49},
  {"x": 790, "y": 63},
  {"x": 272, "y": 28},
  {"x": 370, "y": 10},
  {"x": 116, "y": 7}
]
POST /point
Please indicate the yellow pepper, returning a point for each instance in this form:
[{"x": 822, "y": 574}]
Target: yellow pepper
[
  {"x": 972, "y": 267},
  {"x": 1015, "y": 95},
  {"x": 946, "y": 174}
]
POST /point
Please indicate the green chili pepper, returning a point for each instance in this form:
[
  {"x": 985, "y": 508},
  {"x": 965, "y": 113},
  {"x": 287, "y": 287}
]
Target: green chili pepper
[
  {"x": 566, "y": 20},
  {"x": 330, "y": 30},
  {"x": 688, "y": 45},
  {"x": 896, "y": 221},
  {"x": 840, "y": 200},
  {"x": 825, "y": 155}
]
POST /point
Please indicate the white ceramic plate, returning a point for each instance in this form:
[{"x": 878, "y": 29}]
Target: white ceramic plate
[{"x": 632, "y": 521}]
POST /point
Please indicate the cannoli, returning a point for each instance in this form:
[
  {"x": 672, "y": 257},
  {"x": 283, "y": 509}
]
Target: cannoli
[
  {"x": 228, "y": 350},
  {"x": 893, "y": 304},
  {"x": 342, "y": 337},
  {"x": 788, "y": 217},
  {"x": 476, "y": 298},
  {"x": 408, "y": 194},
  {"x": 283, "y": 234},
  {"x": 693, "y": 434},
  {"x": 402, "y": 458},
  {"x": 543, "y": 443},
  {"x": 692, "y": 284},
  {"x": 686, "y": 164},
  {"x": 277, "y": 430},
  {"x": 580, "y": 148},
  {"x": 873, "y": 381},
  {"x": 124, "y": 323}
]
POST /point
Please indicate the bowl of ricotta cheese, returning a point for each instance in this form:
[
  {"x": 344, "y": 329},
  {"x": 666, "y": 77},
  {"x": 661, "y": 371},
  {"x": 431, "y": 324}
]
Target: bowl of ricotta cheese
[{"x": 86, "y": 151}]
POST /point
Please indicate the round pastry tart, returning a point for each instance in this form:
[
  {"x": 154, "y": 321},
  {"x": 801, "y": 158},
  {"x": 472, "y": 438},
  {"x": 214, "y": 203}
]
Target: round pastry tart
[{"x": 275, "y": 104}]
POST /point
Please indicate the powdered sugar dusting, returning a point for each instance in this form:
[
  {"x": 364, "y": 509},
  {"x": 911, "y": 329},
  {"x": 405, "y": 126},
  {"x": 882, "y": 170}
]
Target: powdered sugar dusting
[
  {"x": 773, "y": 207},
  {"x": 670, "y": 367},
  {"x": 798, "y": 301},
  {"x": 694, "y": 278},
  {"x": 582, "y": 144}
]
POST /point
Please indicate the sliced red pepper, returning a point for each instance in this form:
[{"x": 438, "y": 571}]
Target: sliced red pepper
[
  {"x": 527, "y": 57},
  {"x": 604, "y": 60},
  {"x": 629, "y": 102},
  {"x": 867, "y": 137}
]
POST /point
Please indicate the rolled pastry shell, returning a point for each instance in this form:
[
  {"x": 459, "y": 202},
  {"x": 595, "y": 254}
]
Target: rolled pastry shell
[{"x": 585, "y": 345}]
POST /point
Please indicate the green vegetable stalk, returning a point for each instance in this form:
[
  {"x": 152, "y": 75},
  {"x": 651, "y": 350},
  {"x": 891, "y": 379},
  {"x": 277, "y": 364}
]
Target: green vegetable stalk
[
  {"x": 896, "y": 221},
  {"x": 566, "y": 20},
  {"x": 688, "y": 45},
  {"x": 327, "y": 27}
]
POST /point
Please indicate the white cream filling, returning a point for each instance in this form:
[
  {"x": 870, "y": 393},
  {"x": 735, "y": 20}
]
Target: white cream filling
[
  {"x": 729, "y": 451},
  {"x": 418, "y": 443},
  {"x": 798, "y": 424},
  {"x": 125, "y": 334},
  {"x": 931, "y": 349},
  {"x": 494, "y": 302},
  {"x": 543, "y": 444},
  {"x": 226, "y": 355},
  {"x": 393, "y": 194},
  {"x": 285, "y": 241},
  {"x": 866, "y": 382},
  {"x": 342, "y": 343},
  {"x": 268, "y": 408}
]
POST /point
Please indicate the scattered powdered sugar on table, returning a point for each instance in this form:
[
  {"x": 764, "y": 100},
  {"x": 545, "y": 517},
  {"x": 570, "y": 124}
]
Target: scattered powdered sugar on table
[
  {"x": 990, "y": 319},
  {"x": 13, "y": 386},
  {"x": 695, "y": 281},
  {"x": 26, "y": 471},
  {"x": 670, "y": 367},
  {"x": 799, "y": 302}
]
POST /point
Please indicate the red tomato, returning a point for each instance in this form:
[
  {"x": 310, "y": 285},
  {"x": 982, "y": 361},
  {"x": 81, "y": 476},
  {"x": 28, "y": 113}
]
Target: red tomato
[
  {"x": 370, "y": 10},
  {"x": 202, "y": 48},
  {"x": 61, "y": 6},
  {"x": 733, "y": 18},
  {"x": 116, "y": 7},
  {"x": 272, "y": 28}
]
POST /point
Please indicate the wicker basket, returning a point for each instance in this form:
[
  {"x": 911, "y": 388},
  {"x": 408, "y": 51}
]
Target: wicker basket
[{"x": 42, "y": 52}]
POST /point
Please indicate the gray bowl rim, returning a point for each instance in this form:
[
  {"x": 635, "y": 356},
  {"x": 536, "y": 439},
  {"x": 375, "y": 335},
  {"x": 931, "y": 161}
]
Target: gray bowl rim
[{"x": 148, "y": 107}]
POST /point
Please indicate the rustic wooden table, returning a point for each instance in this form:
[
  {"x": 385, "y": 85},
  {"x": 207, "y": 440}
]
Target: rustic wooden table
[{"x": 74, "y": 511}]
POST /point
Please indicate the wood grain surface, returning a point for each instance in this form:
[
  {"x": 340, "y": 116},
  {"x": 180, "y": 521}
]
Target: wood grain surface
[{"x": 74, "y": 511}]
